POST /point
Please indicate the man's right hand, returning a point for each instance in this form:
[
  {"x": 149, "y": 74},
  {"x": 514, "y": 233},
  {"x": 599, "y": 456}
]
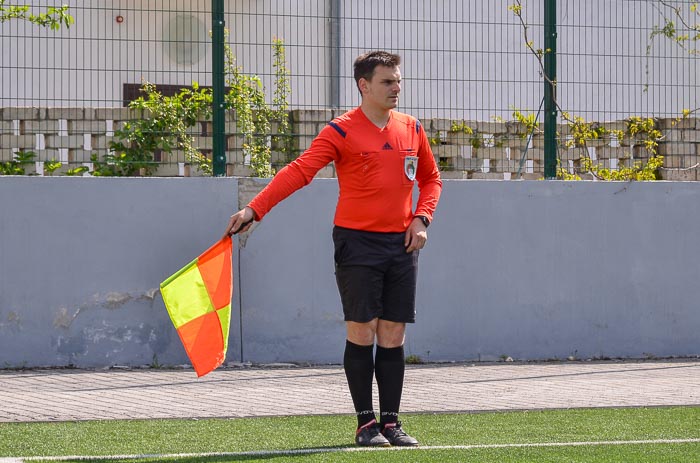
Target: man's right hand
[{"x": 239, "y": 222}]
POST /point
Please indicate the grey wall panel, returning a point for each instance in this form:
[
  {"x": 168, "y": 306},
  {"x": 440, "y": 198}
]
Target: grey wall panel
[{"x": 531, "y": 270}]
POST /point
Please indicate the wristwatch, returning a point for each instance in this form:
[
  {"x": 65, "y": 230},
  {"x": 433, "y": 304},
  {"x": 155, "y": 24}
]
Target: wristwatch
[{"x": 423, "y": 219}]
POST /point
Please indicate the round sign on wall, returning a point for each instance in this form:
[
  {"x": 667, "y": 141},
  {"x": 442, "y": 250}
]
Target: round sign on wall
[{"x": 185, "y": 38}]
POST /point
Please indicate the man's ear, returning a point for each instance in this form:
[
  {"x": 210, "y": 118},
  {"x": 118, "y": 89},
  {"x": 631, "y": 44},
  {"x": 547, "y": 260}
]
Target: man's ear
[{"x": 362, "y": 84}]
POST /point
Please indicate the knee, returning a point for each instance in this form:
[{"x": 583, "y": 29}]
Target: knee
[
  {"x": 390, "y": 334},
  {"x": 362, "y": 334}
]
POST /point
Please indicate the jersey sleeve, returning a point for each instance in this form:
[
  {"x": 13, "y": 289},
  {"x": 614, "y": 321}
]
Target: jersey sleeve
[
  {"x": 324, "y": 149},
  {"x": 427, "y": 176}
]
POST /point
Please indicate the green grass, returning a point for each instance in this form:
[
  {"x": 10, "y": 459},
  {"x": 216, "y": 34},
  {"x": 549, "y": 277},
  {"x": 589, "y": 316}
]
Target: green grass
[{"x": 334, "y": 432}]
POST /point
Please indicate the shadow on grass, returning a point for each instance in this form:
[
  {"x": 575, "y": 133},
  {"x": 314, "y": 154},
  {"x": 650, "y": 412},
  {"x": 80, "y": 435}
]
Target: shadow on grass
[{"x": 257, "y": 455}]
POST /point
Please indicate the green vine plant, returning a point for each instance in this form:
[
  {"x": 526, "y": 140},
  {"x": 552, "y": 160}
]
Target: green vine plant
[
  {"x": 461, "y": 127},
  {"x": 51, "y": 166},
  {"x": 23, "y": 158},
  {"x": 17, "y": 166},
  {"x": 527, "y": 121},
  {"x": 163, "y": 128},
  {"x": 435, "y": 140},
  {"x": 54, "y": 18},
  {"x": 689, "y": 33},
  {"x": 252, "y": 113},
  {"x": 283, "y": 140},
  {"x": 476, "y": 139},
  {"x": 581, "y": 131},
  {"x": 247, "y": 99},
  {"x": 639, "y": 130},
  {"x": 685, "y": 34}
]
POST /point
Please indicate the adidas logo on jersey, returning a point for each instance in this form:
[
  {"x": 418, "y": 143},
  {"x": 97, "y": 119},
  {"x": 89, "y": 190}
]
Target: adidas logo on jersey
[{"x": 387, "y": 146}]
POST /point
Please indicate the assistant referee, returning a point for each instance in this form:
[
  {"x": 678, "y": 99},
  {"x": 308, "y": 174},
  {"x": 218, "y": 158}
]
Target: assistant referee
[{"x": 379, "y": 154}]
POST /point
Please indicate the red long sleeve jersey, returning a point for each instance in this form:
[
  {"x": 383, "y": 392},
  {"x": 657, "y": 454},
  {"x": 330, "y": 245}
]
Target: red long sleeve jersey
[{"x": 376, "y": 170}]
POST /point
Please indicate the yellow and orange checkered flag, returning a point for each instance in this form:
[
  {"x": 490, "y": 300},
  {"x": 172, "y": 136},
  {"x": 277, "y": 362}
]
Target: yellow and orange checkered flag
[{"x": 198, "y": 299}]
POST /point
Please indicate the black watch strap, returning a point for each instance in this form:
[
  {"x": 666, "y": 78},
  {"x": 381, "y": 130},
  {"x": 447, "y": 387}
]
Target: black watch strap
[{"x": 424, "y": 219}]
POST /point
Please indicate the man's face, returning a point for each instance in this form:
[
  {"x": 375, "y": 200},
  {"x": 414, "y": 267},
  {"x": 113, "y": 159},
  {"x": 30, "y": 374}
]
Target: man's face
[{"x": 382, "y": 91}]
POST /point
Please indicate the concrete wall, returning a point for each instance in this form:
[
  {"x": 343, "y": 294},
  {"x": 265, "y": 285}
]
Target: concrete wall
[{"x": 532, "y": 270}]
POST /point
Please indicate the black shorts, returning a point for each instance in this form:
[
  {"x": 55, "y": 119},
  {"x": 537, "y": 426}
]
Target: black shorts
[{"x": 376, "y": 277}]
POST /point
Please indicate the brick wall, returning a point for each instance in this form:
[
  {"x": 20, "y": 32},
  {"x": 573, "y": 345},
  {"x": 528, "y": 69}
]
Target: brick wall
[{"x": 463, "y": 149}]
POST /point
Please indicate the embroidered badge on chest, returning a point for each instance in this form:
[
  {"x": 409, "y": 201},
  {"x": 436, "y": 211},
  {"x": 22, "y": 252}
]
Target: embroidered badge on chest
[{"x": 410, "y": 164}]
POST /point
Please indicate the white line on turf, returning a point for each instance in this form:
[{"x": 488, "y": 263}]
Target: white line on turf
[{"x": 272, "y": 453}]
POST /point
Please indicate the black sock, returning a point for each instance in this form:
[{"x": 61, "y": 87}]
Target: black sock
[
  {"x": 389, "y": 368},
  {"x": 358, "y": 362}
]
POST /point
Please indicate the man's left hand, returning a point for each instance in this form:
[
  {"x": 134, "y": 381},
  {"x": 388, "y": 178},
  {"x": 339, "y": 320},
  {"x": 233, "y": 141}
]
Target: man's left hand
[{"x": 416, "y": 235}]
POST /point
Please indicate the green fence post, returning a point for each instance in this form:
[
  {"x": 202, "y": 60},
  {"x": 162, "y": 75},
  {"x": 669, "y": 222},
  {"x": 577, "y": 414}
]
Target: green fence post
[
  {"x": 550, "y": 107},
  {"x": 218, "y": 83}
]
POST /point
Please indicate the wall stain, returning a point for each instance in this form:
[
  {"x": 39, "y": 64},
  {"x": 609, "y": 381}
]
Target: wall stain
[
  {"x": 63, "y": 319},
  {"x": 12, "y": 320},
  {"x": 112, "y": 300},
  {"x": 115, "y": 300}
]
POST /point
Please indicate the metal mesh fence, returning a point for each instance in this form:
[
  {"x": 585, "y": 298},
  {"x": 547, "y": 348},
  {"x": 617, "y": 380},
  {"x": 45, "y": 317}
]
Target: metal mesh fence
[{"x": 467, "y": 74}]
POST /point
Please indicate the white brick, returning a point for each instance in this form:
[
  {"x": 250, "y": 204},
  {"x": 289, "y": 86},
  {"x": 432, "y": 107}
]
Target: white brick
[
  {"x": 34, "y": 127},
  {"x": 48, "y": 155},
  {"x": 118, "y": 114},
  {"x": 677, "y": 149},
  {"x": 505, "y": 165},
  {"x": 302, "y": 142},
  {"x": 487, "y": 176},
  {"x": 692, "y": 136},
  {"x": 167, "y": 170},
  {"x": 87, "y": 127},
  {"x": 673, "y": 123},
  {"x": 453, "y": 174},
  {"x": 573, "y": 154},
  {"x": 71, "y": 141},
  {"x": 446, "y": 151},
  {"x": 79, "y": 155},
  {"x": 443, "y": 125},
  {"x": 7, "y": 128},
  {"x": 535, "y": 154},
  {"x": 468, "y": 164},
  {"x": 25, "y": 114},
  {"x": 311, "y": 115},
  {"x": 238, "y": 170},
  {"x": 612, "y": 153},
  {"x": 491, "y": 127},
  {"x": 6, "y": 154},
  {"x": 229, "y": 128},
  {"x": 25, "y": 142},
  {"x": 309, "y": 129},
  {"x": 326, "y": 172},
  {"x": 466, "y": 151},
  {"x": 673, "y": 135},
  {"x": 457, "y": 138},
  {"x": 690, "y": 175},
  {"x": 65, "y": 113},
  {"x": 491, "y": 153},
  {"x": 203, "y": 143},
  {"x": 234, "y": 142},
  {"x": 101, "y": 142},
  {"x": 614, "y": 125}
]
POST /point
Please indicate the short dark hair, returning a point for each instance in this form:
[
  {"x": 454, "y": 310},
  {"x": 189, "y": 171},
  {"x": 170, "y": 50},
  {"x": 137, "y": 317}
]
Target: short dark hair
[{"x": 366, "y": 63}]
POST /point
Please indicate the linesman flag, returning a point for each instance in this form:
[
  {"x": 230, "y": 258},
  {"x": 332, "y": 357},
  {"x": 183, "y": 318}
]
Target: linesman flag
[{"x": 198, "y": 299}]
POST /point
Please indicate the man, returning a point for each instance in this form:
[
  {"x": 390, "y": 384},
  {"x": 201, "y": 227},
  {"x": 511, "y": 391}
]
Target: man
[{"x": 378, "y": 154}]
